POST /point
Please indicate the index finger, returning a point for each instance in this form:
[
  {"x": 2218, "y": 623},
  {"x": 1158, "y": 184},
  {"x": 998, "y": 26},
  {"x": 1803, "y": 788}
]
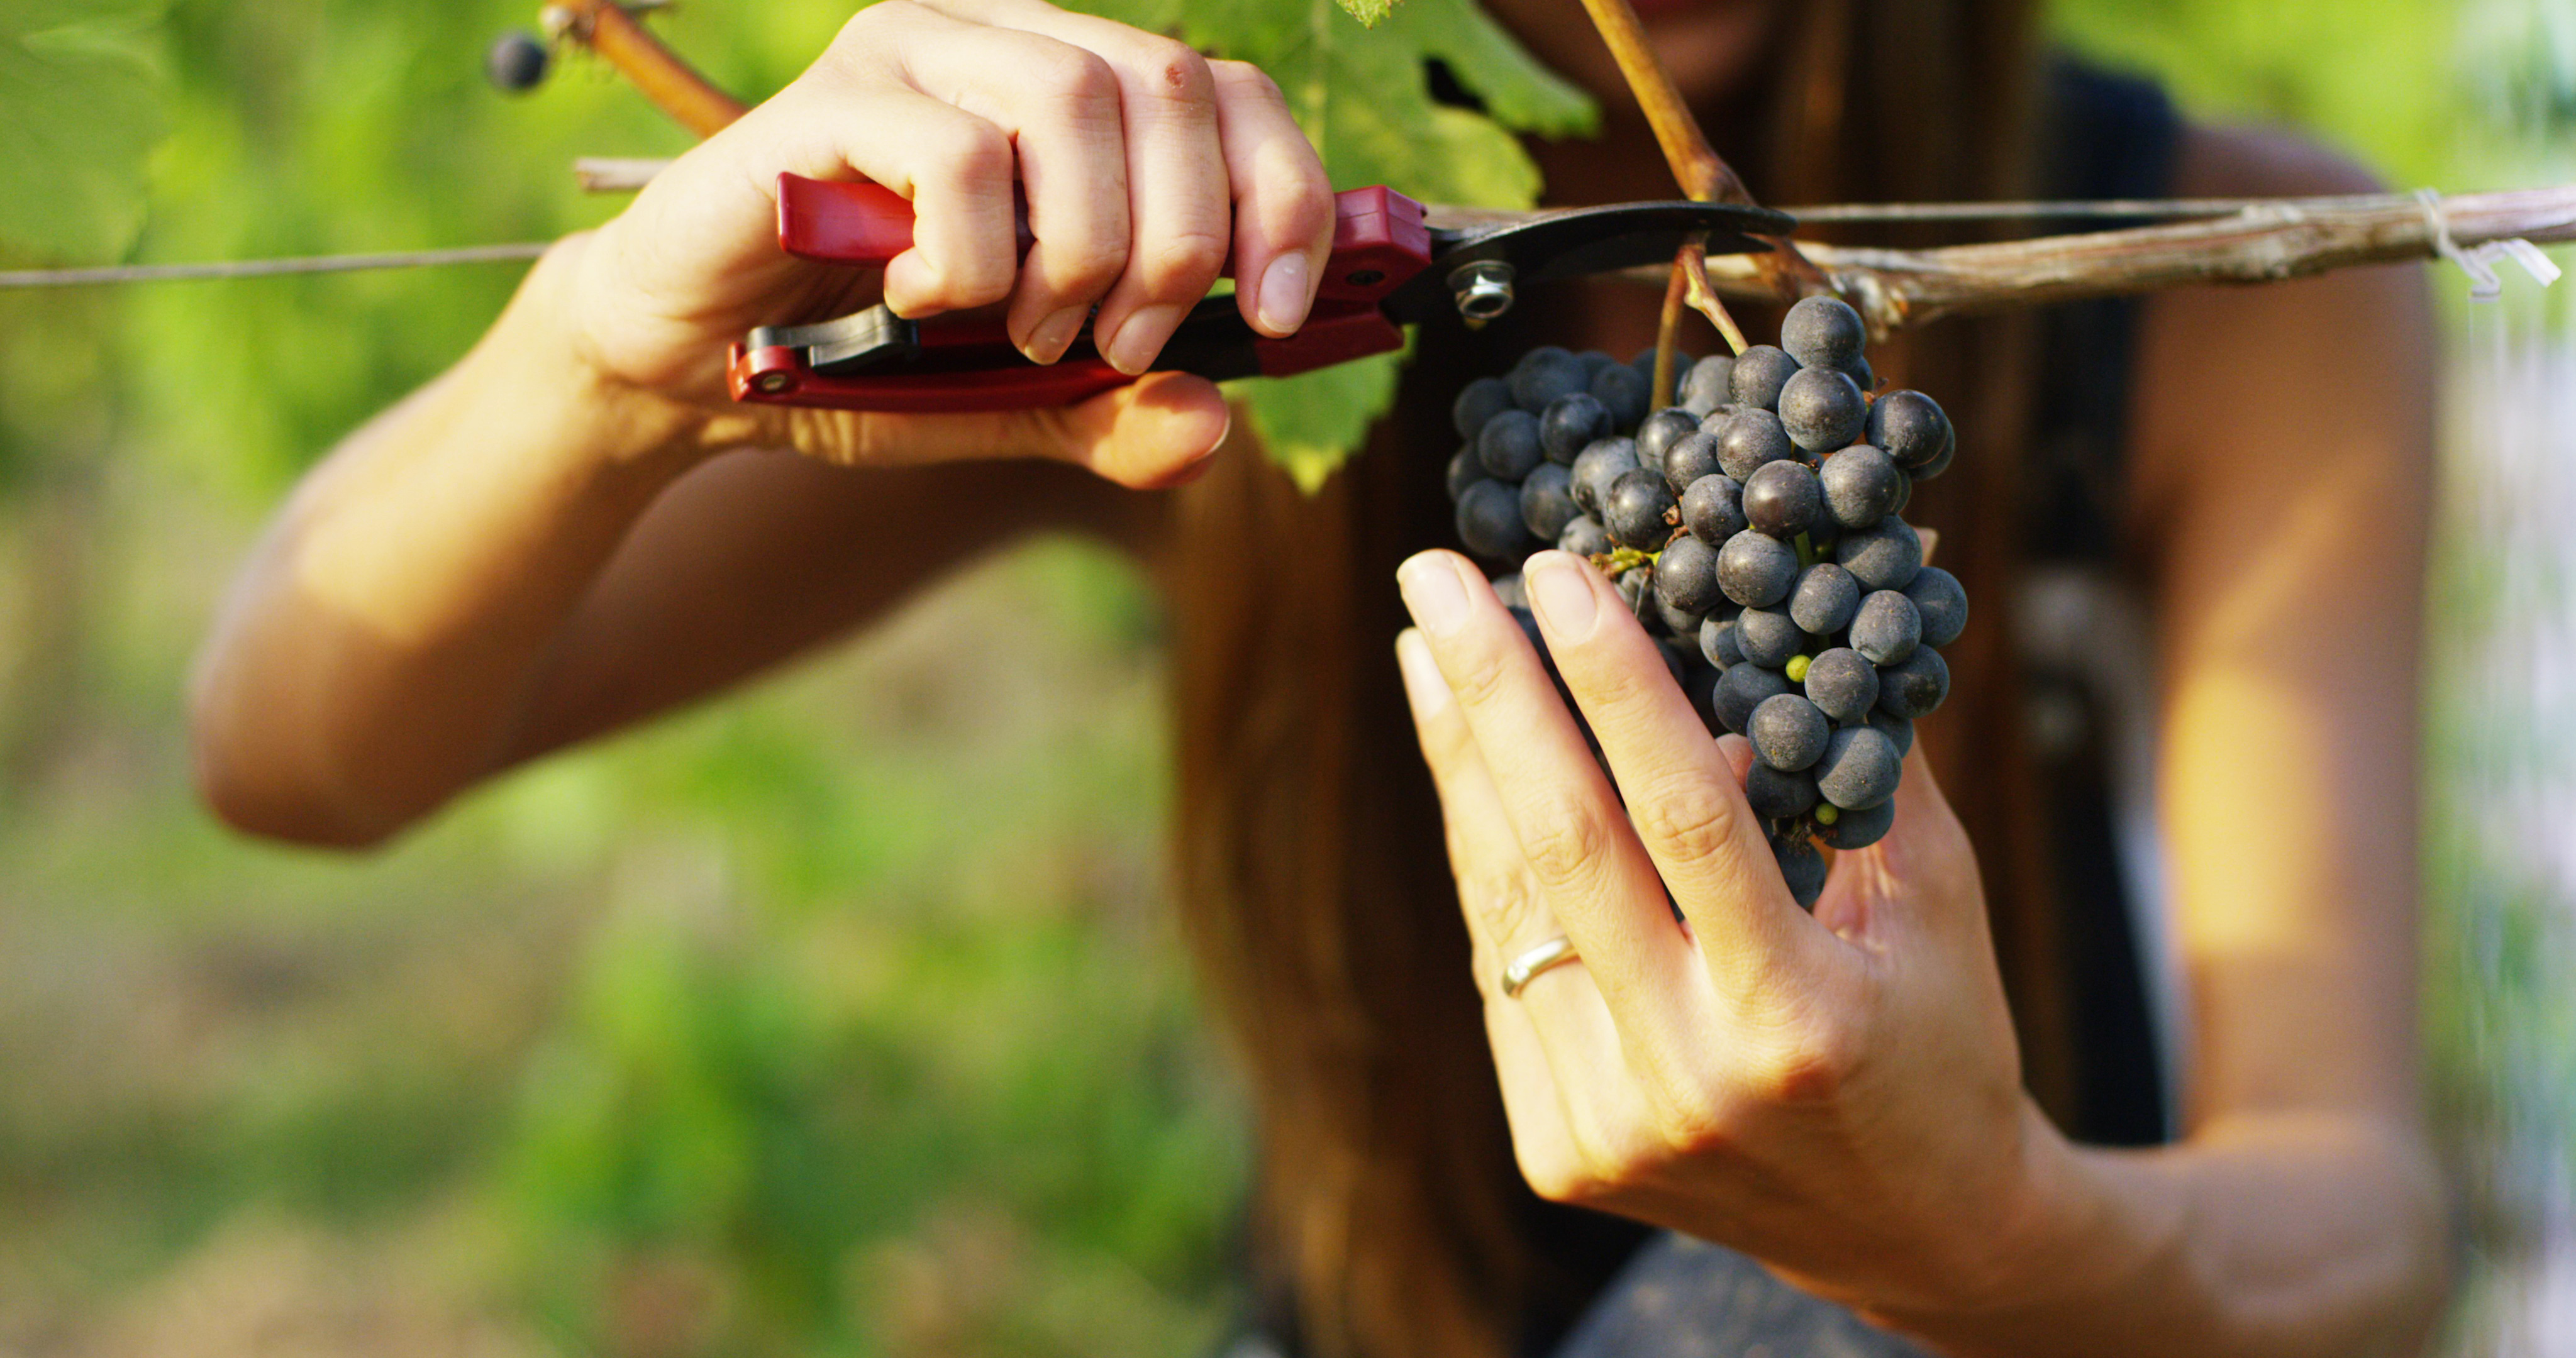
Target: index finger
[
  {"x": 1587, "y": 862},
  {"x": 1683, "y": 795}
]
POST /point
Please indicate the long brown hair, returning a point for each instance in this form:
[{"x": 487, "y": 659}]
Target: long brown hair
[{"x": 1310, "y": 855}]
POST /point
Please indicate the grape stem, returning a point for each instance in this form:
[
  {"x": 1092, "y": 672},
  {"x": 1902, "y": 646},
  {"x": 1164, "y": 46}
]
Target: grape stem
[
  {"x": 1703, "y": 174},
  {"x": 673, "y": 85},
  {"x": 1674, "y": 291},
  {"x": 1692, "y": 268}
]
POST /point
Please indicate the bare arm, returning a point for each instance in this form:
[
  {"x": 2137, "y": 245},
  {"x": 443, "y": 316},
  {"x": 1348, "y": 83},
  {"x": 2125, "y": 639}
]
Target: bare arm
[
  {"x": 518, "y": 557},
  {"x": 560, "y": 536},
  {"x": 2284, "y": 463}
]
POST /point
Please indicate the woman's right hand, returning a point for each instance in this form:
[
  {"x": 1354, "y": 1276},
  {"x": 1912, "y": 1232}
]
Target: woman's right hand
[{"x": 1145, "y": 167}]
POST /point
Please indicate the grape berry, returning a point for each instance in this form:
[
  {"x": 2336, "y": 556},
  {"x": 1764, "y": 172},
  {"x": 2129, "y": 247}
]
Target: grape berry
[{"x": 1753, "y": 526}]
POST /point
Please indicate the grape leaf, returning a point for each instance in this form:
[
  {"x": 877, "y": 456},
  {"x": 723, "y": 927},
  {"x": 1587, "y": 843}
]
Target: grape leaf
[
  {"x": 1310, "y": 423},
  {"x": 1364, "y": 97},
  {"x": 82, "y": 101}
]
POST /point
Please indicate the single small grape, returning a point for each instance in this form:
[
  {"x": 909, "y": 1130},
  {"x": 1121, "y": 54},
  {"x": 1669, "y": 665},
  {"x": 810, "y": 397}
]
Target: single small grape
[
  {"x": 1634, "y": 508},
  {"x": 1544, "y": 374},
  {"x": 1584, "y": 536},
  {"x": 1489, "y": 522},
  {"x": 1748, "y": 439},
  {"x": 1861, "y": 485},
  {"x": 1659, "y": 432},
  {"x": 1621, "y": 389},
  {"x": 1707, "y": 385},
  {"x": 1712, "y": 509},
  {"x": 1823, "y": 332},
  {"x": 1859, "y": 769},
  {"x": 1887, "y": 628},
  {"x": 1802, "y": 869},
  {"x": 1942, "y": 603},
  {"x": 1788, "y": 732},
  {"x": 1547, "y": 501},
  {"x": 1856, "y": 829},
  {"x": 1676, "y": 622},
  {"x": 1842, "y": 683},
  {"x": 1824, "y": 599},
  {"x": 1637, "y": 589},
  {"x": 1717, "y": 642},
  {"x": 1741, "y": 690},
  {"x": 1760, "y": 373},
  {"x": 1756, "y": 570},
  {"x": 1910, "y": 427},
  {"x": 1797, "y": 668},
  {"x": 1782, "y": 499},
  {"x": 1822, "y": 410},
  {"x": 517, "y": 62},
  {"x": 1768, "y": 637},
  {"x": 1828, "y": 813},
  {"x": 1464, "y": 470},
  {"x": 1913, "y": 690},
  {"x": 1775, "y": 795},
  {"x": 1570, "y": 424},
  {"x": 1690, "y": 457},
  {"x": 1644, "y": 364},
  {"x": 1478, "y": 402},
  {"x": 1508, "y": 445},
  {"x": 1686, "y": 576},
  {"x": 1885, "y": 557},
  {"x": 1599, "y": 465}
]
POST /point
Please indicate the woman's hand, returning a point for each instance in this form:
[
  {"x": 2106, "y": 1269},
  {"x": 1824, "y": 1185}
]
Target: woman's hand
[
  {"x": 1144, "y": 168},
  {"x": 1838, "y": 1096}
]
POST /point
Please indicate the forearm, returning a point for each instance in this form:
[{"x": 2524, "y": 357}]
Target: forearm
[
  {"x": 2272, "y": 1236},
  {"x": 376, "y": 652}
]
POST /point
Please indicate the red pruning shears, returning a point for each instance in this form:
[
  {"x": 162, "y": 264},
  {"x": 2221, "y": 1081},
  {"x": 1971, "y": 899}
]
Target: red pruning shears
[{"x": 1393, "y": 263}]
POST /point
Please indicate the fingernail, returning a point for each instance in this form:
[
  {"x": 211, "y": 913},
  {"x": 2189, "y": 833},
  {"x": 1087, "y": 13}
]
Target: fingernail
[
  {"x": 1560, "y": 590},
  {"x": 1283, "y": 293},
  {"x": 1432, "y": 594},
  {"x": 1141, "y": 336},
  {"x": 1051, "y": 337},
  {"x": 1423, "y": 686}
]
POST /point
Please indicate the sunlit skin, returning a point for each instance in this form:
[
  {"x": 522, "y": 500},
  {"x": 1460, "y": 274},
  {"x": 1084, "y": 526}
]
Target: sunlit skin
[{"x": 571, "y": 531}]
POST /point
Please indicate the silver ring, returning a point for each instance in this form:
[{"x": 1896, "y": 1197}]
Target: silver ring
[{"x": 1531, "y": 963}]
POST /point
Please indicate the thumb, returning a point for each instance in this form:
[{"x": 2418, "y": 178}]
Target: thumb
[{"x": 1153, "y": 433}]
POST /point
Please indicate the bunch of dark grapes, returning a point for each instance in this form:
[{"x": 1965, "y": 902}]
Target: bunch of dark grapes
[{"x": 1755, "y": 525}]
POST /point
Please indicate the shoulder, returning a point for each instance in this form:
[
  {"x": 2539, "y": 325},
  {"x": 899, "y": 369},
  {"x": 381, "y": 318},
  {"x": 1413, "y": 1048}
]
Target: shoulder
[
  {"x": 2235, "y": 161},
  {"x": 2279, "y": 364}
]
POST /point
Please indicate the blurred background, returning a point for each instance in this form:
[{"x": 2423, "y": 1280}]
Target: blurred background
[{"x": 846, "y": 1017}]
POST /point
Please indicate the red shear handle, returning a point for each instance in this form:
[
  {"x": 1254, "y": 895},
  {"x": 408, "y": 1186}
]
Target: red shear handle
[{"x": 1379, "y": 240}]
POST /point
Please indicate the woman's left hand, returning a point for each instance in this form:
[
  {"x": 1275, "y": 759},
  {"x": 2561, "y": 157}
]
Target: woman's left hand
[{"x": 1837, "y": 1095}]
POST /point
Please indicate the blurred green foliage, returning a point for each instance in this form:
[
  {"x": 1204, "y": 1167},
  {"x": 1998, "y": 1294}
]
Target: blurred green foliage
[{"x": 842, "y": 1017}]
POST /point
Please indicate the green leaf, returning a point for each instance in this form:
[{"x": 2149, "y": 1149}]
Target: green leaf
[
  {"x": 1364, "y": 98},
  {"x": 82, "y": 101},
  {"x": 1370, "y": 13},
  {"x": 1310, "y": 423},
  {"x": 1519, "y": 92}
]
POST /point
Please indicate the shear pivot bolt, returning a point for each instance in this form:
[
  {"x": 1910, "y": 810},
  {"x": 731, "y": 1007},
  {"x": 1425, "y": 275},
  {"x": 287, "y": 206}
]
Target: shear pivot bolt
[
  {"x": 1483, "y": 290},
  {"x": 772, "y": 383}
]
